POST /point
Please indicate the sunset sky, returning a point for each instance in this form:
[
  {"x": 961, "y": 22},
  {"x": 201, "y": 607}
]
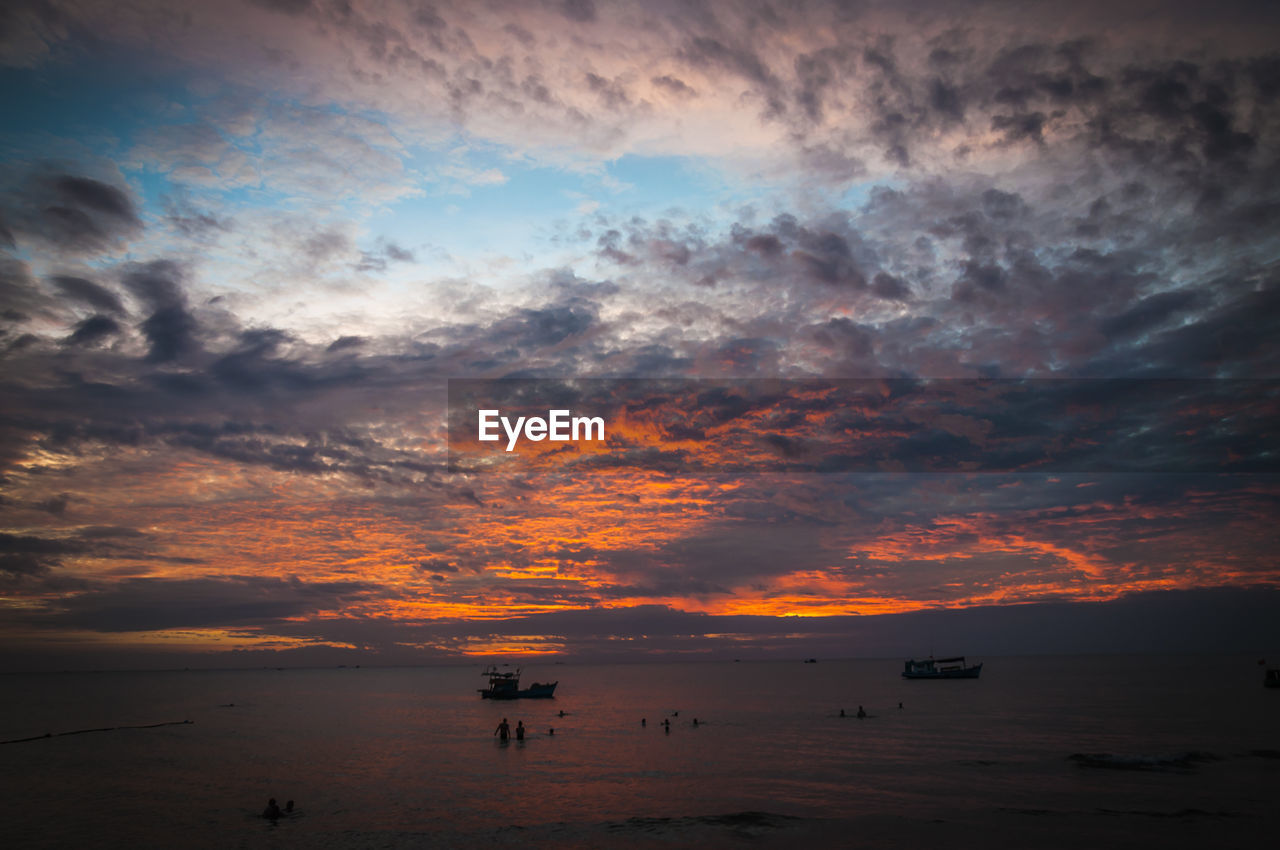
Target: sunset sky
[{"x": 246, "y": 246}]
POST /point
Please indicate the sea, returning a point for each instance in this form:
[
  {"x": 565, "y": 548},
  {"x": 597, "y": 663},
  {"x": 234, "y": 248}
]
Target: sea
[{"x": 1089, "y": 751}]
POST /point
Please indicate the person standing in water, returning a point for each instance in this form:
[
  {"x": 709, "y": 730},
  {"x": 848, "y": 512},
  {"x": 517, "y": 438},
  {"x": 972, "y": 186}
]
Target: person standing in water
[
  {"x": 503, "y": 731},
  {"x": 519, "y": 730}
]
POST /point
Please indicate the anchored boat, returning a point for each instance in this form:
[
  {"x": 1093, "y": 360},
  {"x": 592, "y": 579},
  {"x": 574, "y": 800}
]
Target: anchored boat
[
  {"x": 941, "y": 668},
  {"x": 505, "y": 684}
]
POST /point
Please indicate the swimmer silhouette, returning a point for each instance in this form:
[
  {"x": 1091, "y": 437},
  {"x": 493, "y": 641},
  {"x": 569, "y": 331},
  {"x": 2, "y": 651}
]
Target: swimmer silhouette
[
  {"x": 862, "y": 712},
  {"x": 842, "y": 714},
  {"x": 272, "y": 811},
  {"x": 643, "y": 722},
  {"x": 503, "y": 731},
  {"x": 519, "y": 730}
]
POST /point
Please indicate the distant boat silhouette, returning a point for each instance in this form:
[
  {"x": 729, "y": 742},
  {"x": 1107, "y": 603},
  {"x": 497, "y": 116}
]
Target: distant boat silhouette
[
  {"x": 506, "y": 685},
  {"x": 941, "y": 668}
]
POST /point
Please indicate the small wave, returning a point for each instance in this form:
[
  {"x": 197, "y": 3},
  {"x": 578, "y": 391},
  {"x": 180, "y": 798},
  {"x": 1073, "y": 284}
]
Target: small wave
[
  {"x": 743, "y": 822},
  {"x": 1180, "y": 813},
  {"x": 1025, "y": 811},
  {"x": 1138, "y": 761}
]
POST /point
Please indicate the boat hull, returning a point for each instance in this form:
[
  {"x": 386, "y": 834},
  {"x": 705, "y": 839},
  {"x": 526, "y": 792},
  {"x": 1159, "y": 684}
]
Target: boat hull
[
  {"x": 969, "y": 673},
  {"x": 535, "y": 691},
  {"x": 952, "y": 673}
]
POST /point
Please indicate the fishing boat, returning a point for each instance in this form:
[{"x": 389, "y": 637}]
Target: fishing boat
[
  {"x": 941, "y": 668},
  {"x": 505, "y": 684}
]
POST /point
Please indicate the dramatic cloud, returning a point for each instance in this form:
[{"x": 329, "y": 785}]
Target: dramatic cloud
[{"x": 887, "y": 310}]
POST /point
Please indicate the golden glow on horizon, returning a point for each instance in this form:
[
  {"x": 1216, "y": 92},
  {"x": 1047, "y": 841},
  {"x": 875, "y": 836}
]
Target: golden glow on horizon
[{"x": 493, "y": 547}]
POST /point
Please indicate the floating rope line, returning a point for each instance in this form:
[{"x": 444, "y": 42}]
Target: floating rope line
[{"x": 103, "y": 729}]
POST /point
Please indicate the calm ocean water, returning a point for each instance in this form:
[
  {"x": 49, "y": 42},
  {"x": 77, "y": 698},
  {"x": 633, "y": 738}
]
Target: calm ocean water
[{"x": 406, "y": 756}]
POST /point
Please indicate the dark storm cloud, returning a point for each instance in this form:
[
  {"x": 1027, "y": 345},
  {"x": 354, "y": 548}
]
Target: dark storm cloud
[
  {"x": 171, "y": 329},
  {"x": 93, "y": 330},
  {"x": 288, "y": 7},
  {"x": 827, "y": 258},
  {"x": 158, "y": 284},
  {"x": 68, "y": 211},
  {"x": 109, "y": 532},
  {"x": 20, "y": 297},
  {"x": 25, "y": 555},
  {"x": 889, "y": 287},
  {"x": 56, "y": 505},
  {"x": 890, "y": 425},
  {"x": 1152, "y": 311},
  {"x": 89, "y": 293},
  {"x": 346, "y": 342},
  {"x": 546, "y": 326},
  {"x": 171, "y": 332},
  {"x": 215, "y": 405},
  {"x": 582, "y": 11},
  {"x": 40, "y": 545},
  {"x": 307, "y": 451},
  {"x": 708, "y": 52},
  {"x": 1232, "y": 339},
  {"x": 33, "y": 555},
  {"x": 146, "y": 604},
  {"x": 25, "y": 563},
  {"x": 1099, "y": 281}
]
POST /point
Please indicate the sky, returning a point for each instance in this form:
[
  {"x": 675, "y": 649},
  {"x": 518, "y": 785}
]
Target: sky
[{"x": 920, "y": 326}]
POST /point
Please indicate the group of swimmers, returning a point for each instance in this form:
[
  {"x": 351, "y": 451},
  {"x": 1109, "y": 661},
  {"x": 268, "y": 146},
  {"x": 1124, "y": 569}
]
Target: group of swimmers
[
  {"x": 666, "y": 721},
  {"x": 274, "y": 812},
  {"x": 504, "y": 730},
  {"x": 862, "y": 712}
]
